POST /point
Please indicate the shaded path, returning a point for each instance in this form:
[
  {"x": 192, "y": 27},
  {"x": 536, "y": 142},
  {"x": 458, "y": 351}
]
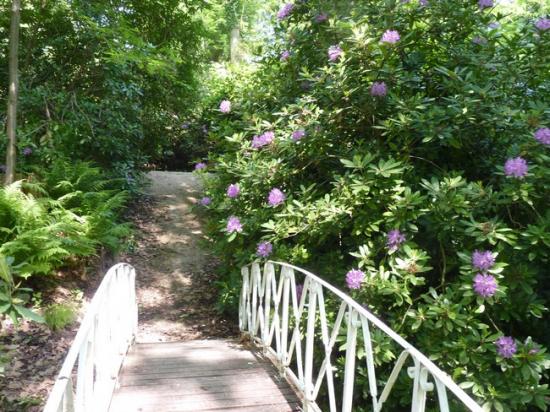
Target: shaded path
[{"x": 175, "y": 276}]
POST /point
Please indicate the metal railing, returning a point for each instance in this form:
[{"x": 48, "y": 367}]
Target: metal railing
[
  {"x": 272, "y": 311},
  {"x": 107, "y": 331}
]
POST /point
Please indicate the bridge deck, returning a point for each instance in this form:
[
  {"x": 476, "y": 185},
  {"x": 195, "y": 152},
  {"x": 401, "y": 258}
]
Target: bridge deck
[{"x": 208, "y": 375}]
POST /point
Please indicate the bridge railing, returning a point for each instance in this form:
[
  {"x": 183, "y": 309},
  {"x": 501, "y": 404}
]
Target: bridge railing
[
  {"x": 108, "y": 329},
  {"x": 288, "y": 322}
]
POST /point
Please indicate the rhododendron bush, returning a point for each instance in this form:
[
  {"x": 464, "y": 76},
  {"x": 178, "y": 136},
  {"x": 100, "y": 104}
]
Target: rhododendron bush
[{"x": 401, "y": 150}]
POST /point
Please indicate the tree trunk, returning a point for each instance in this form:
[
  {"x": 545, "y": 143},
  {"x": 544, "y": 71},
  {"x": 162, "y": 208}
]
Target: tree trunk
[
  {"x": 11, "y": 154},
  {"x": 234, "y": 45}
]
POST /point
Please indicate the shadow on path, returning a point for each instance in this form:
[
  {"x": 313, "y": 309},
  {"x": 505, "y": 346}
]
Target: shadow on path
[{"x": 175, "y": 277}]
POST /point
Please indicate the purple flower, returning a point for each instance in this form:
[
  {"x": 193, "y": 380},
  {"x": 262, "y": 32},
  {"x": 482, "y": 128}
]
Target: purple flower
[
  {"x": 263, "y": 139},
  {"x": 276, "y": 197},
  {"x": 268, "y": 137},
  {"x": 485, "y": 285},
  {"x": 354, "y": 278},
  {"x": 27, "y": 151},
  {"x": 264, "y": 249},
  {"x": 390, "y": 36},
  {"x": 494, "y": 25},
  {"x": 234, "y": 225},
  {"x": 298, "y": 134},
  {"x": 394, "y": 238},
  {"x": 542, "y": 24},
  {"x": 321, "y": 17},
  {"x": 225, "y": 106},
  {"x": 285, "y": 55},
  {"x": 205, "y": 201},
  {"x": 334, "y": 52},
  {"x": 257, "y": 142},
  {"x": 200, "y": 166},
  {"x": 485, "y": 4},
  {"x": 285, "y": 11},
  {"x": 483, "y": 260},
  {"x": 543, "y": 135},
  {"x": 506, "y": 347},
  {"x": 516, "y": 167},
  {"x": 423, "y": 3},
  {"x": 233, "y": 190},
  {"x": 299, "y": 291},
  {"x": 479, "y": 40},
  {"x": 378, "y": 89}
]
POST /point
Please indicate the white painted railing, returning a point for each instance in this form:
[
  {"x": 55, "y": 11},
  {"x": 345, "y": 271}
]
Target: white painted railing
[
  {"x": 107, "y": 331},
  {"x": 272, "y": 313}
]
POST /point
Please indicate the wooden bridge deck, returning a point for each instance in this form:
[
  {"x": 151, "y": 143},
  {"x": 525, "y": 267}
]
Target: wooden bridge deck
[{"x": 208, "y": 375}]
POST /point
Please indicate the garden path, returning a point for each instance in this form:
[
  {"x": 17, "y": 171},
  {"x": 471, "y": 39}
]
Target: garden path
[
  {"x": 176, "y": 294},
  {"x": 180, "y": 363}
]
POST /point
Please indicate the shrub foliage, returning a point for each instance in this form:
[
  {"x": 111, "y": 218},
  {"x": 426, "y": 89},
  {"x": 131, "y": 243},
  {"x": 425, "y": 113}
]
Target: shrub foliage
[{"x": 409, "y": 141}]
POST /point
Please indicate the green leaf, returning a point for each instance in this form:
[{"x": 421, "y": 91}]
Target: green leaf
[{"x": 29, "y": 314}]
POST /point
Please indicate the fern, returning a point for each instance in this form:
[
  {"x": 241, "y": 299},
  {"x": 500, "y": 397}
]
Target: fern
[{"x": 70, "y": 211}]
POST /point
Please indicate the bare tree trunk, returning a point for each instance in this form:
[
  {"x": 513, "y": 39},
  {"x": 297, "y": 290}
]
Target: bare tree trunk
[
  {"x": 234, "y": 45},
  {"x": 11, "y": 154}
]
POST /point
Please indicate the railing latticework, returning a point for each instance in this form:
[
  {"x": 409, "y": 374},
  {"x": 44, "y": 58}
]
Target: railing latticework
[
  {"x": 288, "y": 323},
  {"x": 108, "y": 329}
]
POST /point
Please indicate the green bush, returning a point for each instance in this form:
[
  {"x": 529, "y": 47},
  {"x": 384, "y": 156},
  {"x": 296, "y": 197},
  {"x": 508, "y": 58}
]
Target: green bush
[{"x": 422, "y": 162}]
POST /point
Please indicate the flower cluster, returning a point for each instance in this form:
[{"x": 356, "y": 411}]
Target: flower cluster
[
  {"x": 262, "y": 140},
  {"x": 321, "y": 17},
  {"x": 542, "y": 24},
  {"x": 205, "y": 201},
  {"x": 390, "y": 37},
  {"x": 200, "y": 166},
  {"x": 506, "y": 347},
  {"x": 234, "y": 225},
  {"x": 354, "y": 278},
  {"x": 285, "y": 11},
  {"x": 516, "y": 167},
  {"x": 483, "y": 260},
  {"x": 276, "y": 197},
  {"x": 378, "y": 89},
  {"x": 264, "y": 249},
  {"x": 543, "y": 135},
  {"x": 394, "y": 238},
  {"x": 483, "y": 4},
  {"x": 334, "y": 52},
  {"x": 225, "y": 106},
  {"x": 233, "y": 190},
  {"x": 480, "y": 41},
  {"x": 298, "y": 134},
  {"x": 285, "y": 55},
  {"x": 484, "y": 285}
]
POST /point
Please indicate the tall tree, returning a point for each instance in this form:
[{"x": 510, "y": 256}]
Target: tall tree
[{"x": 13, "y": 87}]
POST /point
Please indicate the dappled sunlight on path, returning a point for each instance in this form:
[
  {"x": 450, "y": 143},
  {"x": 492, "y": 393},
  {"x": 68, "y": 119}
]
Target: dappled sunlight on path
[{"x": 174, "y": 275}]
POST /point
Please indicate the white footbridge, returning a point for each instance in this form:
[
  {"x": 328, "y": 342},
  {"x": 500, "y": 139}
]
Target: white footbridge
[{"x": 303, "y": 344}]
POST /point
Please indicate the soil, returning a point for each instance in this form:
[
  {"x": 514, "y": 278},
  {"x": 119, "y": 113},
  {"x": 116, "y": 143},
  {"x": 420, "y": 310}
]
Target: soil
[
  {"x": 175, "y": 275},
  {"x": 175, "y": 289}
]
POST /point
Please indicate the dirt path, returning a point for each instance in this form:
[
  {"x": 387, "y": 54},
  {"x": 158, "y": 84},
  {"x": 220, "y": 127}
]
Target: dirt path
[{"x": 174, "y": 274}]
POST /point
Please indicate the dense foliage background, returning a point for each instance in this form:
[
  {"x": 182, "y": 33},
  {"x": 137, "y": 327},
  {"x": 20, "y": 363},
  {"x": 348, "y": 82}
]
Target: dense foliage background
[
  {"x": 397, "y": 148},
  {"x": 407, "y": 140}
]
